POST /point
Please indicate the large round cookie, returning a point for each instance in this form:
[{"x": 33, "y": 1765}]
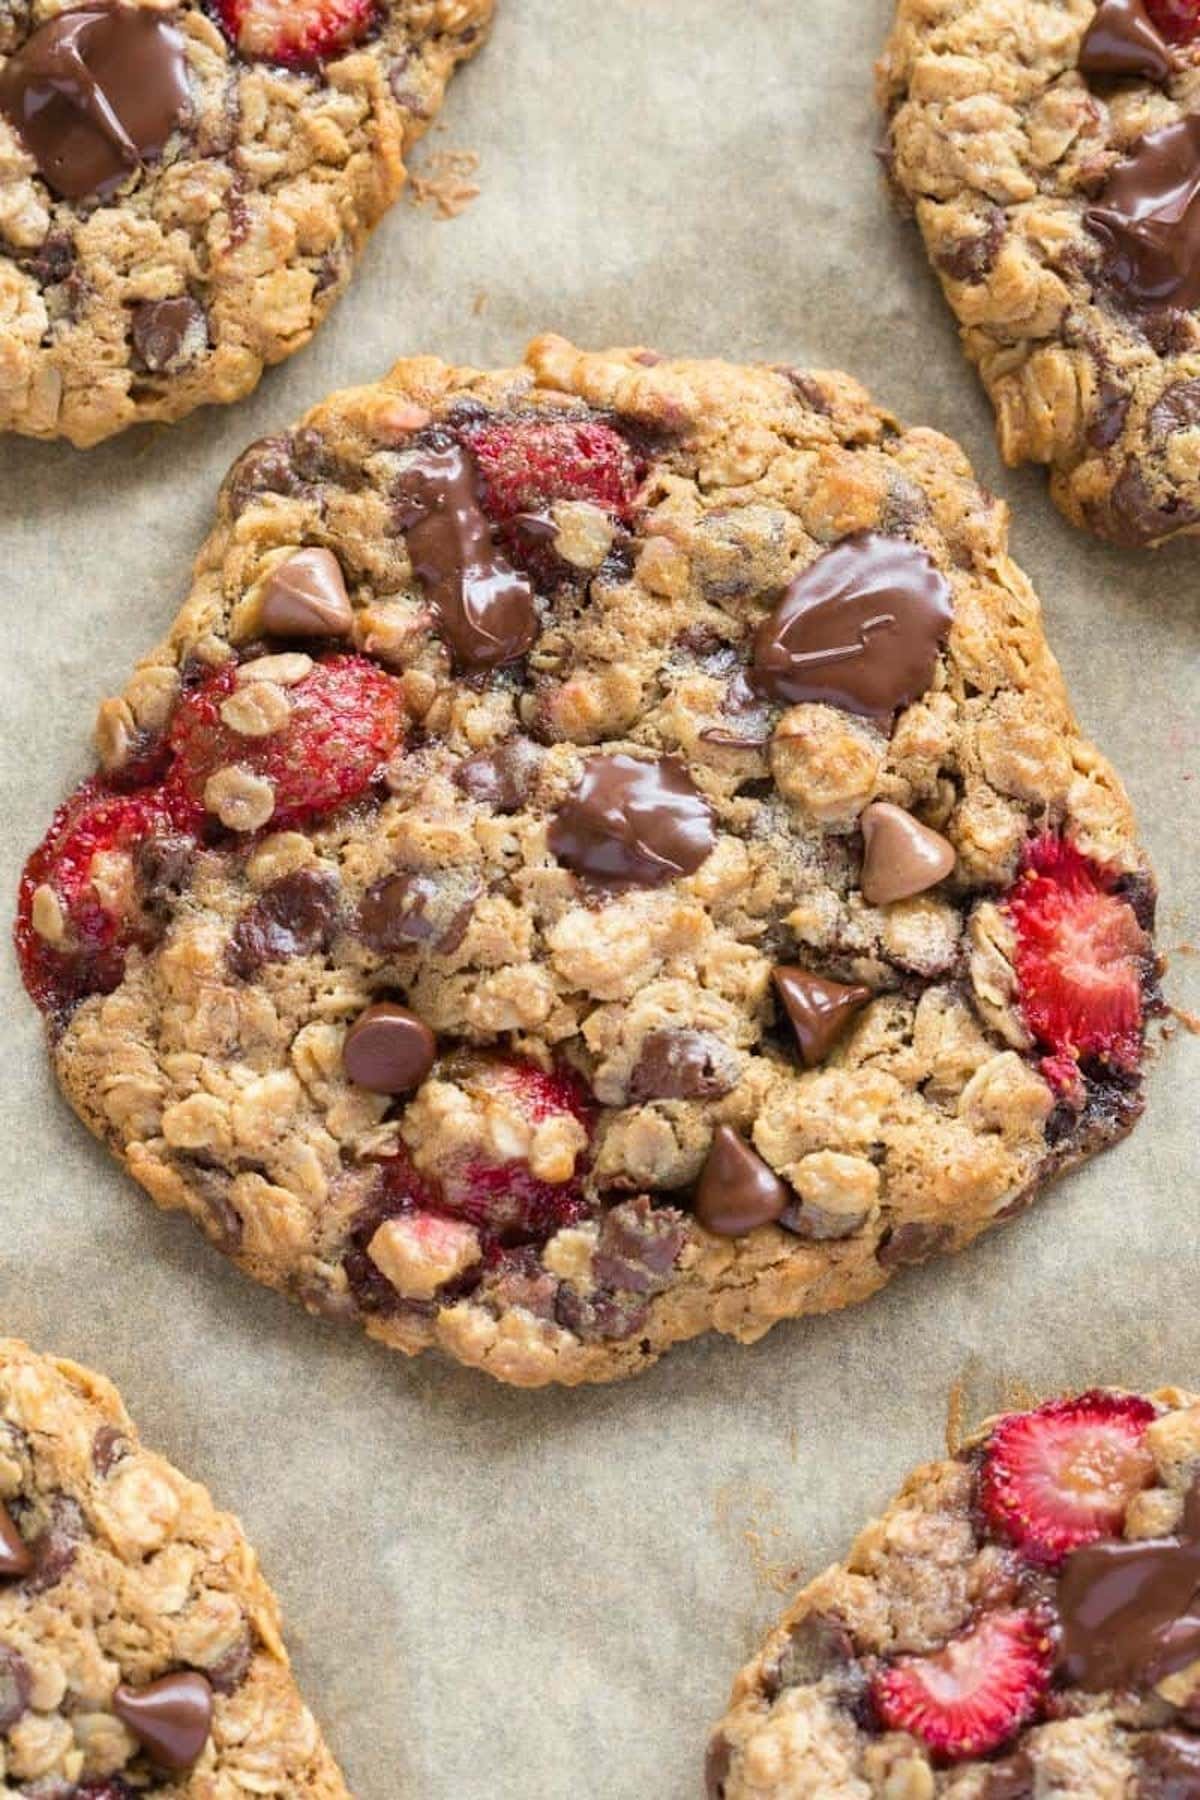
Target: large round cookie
[
  {"x": 1050, "y": 150},
  {"x": 140, "y": 1649},
  {"x": 1021, "y": 1624},
  {"x": 184, "y": 188},
  {"x": 604, "y": 855}
]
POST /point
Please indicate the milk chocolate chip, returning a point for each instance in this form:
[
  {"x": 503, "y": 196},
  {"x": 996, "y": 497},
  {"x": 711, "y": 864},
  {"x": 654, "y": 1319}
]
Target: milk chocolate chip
[
  {"x": 389, "y": 1050},
  {"x": 737, "y": 1190},
  {"x": 633, "y": 823},
  {"x": 169, "y": 334},
  {"x": 16, "y": 1557},
  {"x": 485, "y": 607},
  {"x": 305, "y": 597},
  {"x": 859, "y": 629},
  {"x": 901, "y": 857},
  {"x": 171, "y": 1718},
  {"x": 820, "y": 1011},
  {"x": 1121, "y": 40},
  {"x": 94, "y": 94},
  {"x": 1148, "y": 219}
]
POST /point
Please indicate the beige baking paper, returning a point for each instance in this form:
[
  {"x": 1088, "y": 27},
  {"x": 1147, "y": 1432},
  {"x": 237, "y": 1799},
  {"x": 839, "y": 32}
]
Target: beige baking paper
[{"x": 504, "y": 1596}]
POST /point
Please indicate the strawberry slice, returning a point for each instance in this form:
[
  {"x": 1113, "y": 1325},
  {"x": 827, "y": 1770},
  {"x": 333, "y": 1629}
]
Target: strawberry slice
[
  {"x": 528, "y": 462},
  {"x": 296, "y": 33},
  {"x": 77, "y": 911},
  {"x": 1063, "y": 1475},
  {"x": 1080, "y": 960},
  {"x": 1178, "y": 20},
  {"x": 974, "y": 1695},
  {"x": 343, "y": 720},
  {"x": 502, "y": 1195}
]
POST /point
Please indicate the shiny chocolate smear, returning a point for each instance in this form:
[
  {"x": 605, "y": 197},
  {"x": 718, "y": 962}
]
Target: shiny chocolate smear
[
  {"x": 633, "y": 824},
  {"x": 485, "y": 607},
  {"x": 737, "y": 1190},
  {"x": 94, "y": 94},
  {"x": 1130, "y": 1610},
  {"x": 859, "y": 629},
  {"x": 171, "y": 1718},
  {"x": 1122, "y": 40},
  {"x": 1148, "y": 219}
]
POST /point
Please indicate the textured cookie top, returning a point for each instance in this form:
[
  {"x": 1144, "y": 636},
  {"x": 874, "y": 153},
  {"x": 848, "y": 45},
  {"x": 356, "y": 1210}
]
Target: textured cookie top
[
  {"x": 1051, "y": 152},
  {"x": 1022, "y": 1622},
  {"x": 603, "y": 854},
  {"x": 184, "y": 188},
  {"x": 140, "y": 1648}
]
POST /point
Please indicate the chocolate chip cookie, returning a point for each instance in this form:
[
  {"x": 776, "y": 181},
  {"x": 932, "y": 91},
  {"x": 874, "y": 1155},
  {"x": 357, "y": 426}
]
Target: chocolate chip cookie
[
  {"x": 1050, "y": 150},
  {"x": 140, "y": 1649},
  {"x": 184, "y": 188},
  {"x": 604, "y": 854},
  {"x": 1023, "y": 1621}
]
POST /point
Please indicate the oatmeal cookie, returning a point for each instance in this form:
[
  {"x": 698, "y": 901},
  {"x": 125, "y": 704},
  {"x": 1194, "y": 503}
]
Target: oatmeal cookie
[
  {"x": 185, "y": 187},
  {"x": 604, "y": 854},
  {"x": 1050, "y": 150},
  {"x": 1022, "y": 1623},
  {"x": 140, "y": 1648}
]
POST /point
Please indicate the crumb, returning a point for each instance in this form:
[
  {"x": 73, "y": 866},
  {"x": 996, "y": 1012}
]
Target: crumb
[{"x": 446, "y": 187}]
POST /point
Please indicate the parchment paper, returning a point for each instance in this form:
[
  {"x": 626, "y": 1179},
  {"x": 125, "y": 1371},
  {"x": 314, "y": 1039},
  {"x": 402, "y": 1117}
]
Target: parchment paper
[{"x": 497, "y": 1596}]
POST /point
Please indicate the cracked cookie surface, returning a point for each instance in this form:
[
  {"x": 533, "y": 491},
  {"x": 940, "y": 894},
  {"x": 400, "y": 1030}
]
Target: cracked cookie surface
[
  {"x": 140, "y": 1648},
  {"x": 185, "y": 188},
  {"x": 1020, "y": 1624},
  {"x": 604, "y": 854},
  {"x": 1050, "y": 150}
]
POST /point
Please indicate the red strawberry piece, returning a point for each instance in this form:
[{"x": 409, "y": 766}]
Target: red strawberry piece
[
  {"x": 1080, "y": 960},
  {"x": 974, "y": 1695},
  {"x": 502, "y": 1196},
  {"x": 344, "y": 722},
  {"x": 296, "y": 33},
  {"x": 1178, "y": 20},
  {"x": 527, "y": 463},
  {"x": 77, "y": 911},
  {"x": 1063, "y": 1475}
]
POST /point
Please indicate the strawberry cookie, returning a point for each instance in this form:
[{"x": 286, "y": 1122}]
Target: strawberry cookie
[
  {"x": 1024, "y": 1621},
  {"x": 603, "y": 855},
  {"x": 185, "y": 187},
  {"x": 1050, "y": 150},
  {"x": 140, "y": 1649}
]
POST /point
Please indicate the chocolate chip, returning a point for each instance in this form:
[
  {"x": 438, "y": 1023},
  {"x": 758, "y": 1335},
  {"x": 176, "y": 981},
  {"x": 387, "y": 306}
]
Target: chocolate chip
[
  {"x": 94, "y": 94},
  {"x": 227, "y": 1675},
  {"x": 805, "y": 1220},
  {"x": 295, "y": 916},
  {"x": 819, "y": 1011},
  {"x": 901, "y": 857},
  {"x": 520, "y": 1278},
  {"x": 859, "y": 629},
  {"x": 54, "y": 261},
  {"x": 15, "y": 1556},
  {"x": 484, "y": 606},
  {"x": 599, "y": 1316},
  {"x": 1148, "y": 219},
  {"x": 169, "y": 335},
  {"x": 1135, "y": 517},
  {"x": 305, "y": 597},
  {"x": 1112, "y": 409},
  {"x": 267, "y": 467},
  {"x": 1168, "y": 1766},
  {"x": 1122, "y": 40},
  {"x": 389, "y": 1050},
  {"x": 914, "y": 1242},
  {"x": 501, "y": 778},
  {"x": 717, "y": 1764},
  {"x": 737, "y": 1190},
  {"x": 171, "y": 1718},
  {"x": 1176, "y": 409},
  {"x": 683, "y": 1065},
  {"x": 55, "y": 1548},
  {"x": 16, "y": 1685},
  {"x": 973, "y": 258},
  {"x": 162, "y": 866},
  {"x": 633, "y": 823},
  {"x": 109, "y": 1447},
  {"x": 638, "y": 1246},
  {"x": 808, "y": 389},
  {"x": 430, "y": 908}
]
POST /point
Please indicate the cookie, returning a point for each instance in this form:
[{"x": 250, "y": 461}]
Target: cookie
[
  {"x": 1021, "y": 1622},
  {"x": 185, "y": 188},
  {"x": 140, "y": 1648},
  {"x": 604, "y": 854},
  {"x": 1050, "y": 150}
]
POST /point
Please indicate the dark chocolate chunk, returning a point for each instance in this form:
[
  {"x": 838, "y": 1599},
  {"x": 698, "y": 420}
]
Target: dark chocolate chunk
[
  {"x": 418, "y": 907},
  {"x": 1112, "y": 410},
  {"x": 1176, "y": 409},
  {"x": 389, "y": 1050},
  {"x": 638, "y": 1246},
  {"x": 485, "y": 607},
  {"x": 737, "y": 1190},
  {"x": 973, "y": 258},
  {"x": 914, "y": 1242},
  {"x": 55, "y": 1548},
  {"x": 717, "y": 1764},
  {"x": 109, "y": 1447},
  {"x": 633, "y": 823},
  {"x": 15, "y": 1556},
  {"x": 859, "y": 629},
  {"x": 171, "y": 1718},
  {"x": 295, "y": 916},
  {"x": 94, "y": 94},
  {"x": 168, "y": 335},
  {"x": 683, "y": 1065},
  {"x": 820, "y": 1011},
  {"x": 1148, "y": 218},
  {"x": 1122, "y": 40}
]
